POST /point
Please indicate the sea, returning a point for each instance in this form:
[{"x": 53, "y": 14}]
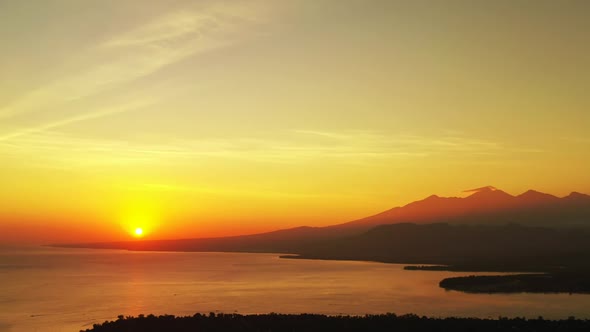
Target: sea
[{"x": 57, "y": 289}]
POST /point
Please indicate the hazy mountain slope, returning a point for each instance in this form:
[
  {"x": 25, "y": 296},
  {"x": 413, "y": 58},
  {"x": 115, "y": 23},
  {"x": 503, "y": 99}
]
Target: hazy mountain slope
[
  {"x": 472, "y": 245},
  {"x": 485, "y": 206},
  {"x": 489, "y": 205},
  {"x": 282, "y": 241}
]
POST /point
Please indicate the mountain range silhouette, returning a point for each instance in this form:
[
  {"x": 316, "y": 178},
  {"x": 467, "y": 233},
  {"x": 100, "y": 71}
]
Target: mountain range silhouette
[
  {"x": 489, "y": 229},
  {"x": 491, "y": 205}
]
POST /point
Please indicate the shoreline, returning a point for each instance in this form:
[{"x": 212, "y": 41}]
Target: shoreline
[{"x": 523, "y": 280}]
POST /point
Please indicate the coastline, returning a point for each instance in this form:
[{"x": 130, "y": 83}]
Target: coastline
[{"x": 524, "y": 280}]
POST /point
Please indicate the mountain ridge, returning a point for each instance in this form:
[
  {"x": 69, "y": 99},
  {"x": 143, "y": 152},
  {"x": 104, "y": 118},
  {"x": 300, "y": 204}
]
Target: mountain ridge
[
  {"x": 485, "y": 200},
  {"x": 485, "y": 206}
]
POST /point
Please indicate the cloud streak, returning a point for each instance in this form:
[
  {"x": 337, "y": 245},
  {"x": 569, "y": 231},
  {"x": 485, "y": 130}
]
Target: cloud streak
[
  {"x": 343, "y": 147},
  {"x": 78, "y": 118},
  {"x": 141, "y": 51}
]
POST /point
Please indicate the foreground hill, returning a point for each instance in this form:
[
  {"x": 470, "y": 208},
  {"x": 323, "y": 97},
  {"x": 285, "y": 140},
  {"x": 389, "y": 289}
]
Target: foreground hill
[{"x": 311, "y": 322}]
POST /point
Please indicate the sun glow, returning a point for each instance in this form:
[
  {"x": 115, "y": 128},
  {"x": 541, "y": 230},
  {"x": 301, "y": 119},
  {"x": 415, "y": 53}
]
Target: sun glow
[{"x": 139, "y": 221}]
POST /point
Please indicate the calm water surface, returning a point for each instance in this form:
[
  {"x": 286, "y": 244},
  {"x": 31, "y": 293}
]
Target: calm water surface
[{"x": 50, "y": 289}]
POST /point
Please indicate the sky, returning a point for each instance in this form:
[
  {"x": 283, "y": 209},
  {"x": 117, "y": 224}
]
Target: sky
[{"x": 214, "y": 118}]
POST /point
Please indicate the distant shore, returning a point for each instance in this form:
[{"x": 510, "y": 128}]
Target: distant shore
[
  {"x": 535, "y": 280},
  {"x": 315, "y": 322},
  {"x": 529, "y": 279},
  {"x": 526, "y": 279}
]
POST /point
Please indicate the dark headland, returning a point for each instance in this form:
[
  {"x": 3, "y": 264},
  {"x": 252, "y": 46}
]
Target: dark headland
[{"x": 565, "y": 282}]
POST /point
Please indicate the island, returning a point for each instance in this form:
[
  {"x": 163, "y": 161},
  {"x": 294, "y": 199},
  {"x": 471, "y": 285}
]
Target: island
[{"x": 520, "y": 283}]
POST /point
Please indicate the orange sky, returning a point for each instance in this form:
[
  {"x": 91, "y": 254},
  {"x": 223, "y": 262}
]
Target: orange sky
[{"x": 193, "y": 119}]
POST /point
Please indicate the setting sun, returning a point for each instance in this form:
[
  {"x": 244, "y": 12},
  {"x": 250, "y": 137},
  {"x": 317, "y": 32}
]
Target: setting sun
[{"x": 138, "y": 232}]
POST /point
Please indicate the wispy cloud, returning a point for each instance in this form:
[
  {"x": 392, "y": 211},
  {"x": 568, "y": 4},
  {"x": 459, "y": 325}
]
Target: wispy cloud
[
  {"x": 383, "y": 144},
  {"x": 219, "y": 191},
  {"x": 355, "y": 147},
  {"x": 143, "y": 50},
  {"x": 76, "y": 118}
]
